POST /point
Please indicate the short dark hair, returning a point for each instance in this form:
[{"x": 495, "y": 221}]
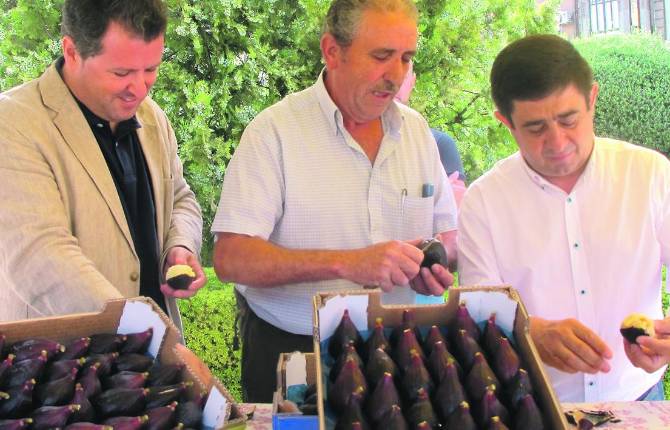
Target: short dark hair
[
  {"x": 344, "y": 16},
  {"x": 534, "y": 67},
  {"x": 86, "y": 21}
]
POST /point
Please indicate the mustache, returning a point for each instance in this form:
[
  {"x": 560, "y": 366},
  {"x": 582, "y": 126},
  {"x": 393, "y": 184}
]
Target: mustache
[{"x": 387, "y": 86}]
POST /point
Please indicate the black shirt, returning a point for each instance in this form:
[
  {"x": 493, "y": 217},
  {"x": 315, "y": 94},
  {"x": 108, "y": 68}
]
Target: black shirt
[{"x": 126, "y": 163}]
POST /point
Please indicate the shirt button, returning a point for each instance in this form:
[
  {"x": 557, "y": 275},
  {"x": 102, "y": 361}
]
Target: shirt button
[
  {"x": 575, "y": 245},
  {"x": 591, "y": 384},
  {"x": 134, "y": 276},
  {"x": 583, "y": 292},
  {"x": 569, "y": 199}
]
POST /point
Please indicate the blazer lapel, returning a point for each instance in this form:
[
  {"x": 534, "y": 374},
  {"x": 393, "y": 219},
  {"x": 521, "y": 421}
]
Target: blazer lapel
[
  {"x": 153, "y": 156},
  {"x": 78, "y": 136}
]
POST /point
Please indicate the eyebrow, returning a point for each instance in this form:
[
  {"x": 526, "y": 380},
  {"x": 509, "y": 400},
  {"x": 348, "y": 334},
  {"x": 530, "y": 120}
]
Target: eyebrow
[
  {"x": 390, "y": 51},
  {"x": 535, "y": 122}
]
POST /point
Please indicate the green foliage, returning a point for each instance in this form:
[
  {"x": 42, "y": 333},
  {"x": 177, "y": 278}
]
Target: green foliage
[
  {"x": 208, "y": 320},
  {"x": 634, "y": 76}
]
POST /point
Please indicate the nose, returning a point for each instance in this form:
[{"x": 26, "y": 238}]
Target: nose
[
  {"x": 397, "y": 71},
  {"x": 140, "y": 85},
  {"x": 556, "y": 139}
]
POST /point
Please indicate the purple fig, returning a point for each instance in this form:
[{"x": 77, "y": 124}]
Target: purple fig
[
  {"x": 465, "y": 348},
  {"x": 138, "y": 342},
  {"x": 490, "y": 407},
  {"x": 450, "y": 393},
  {"x": 58, "y": 392},
  {"x": 127, "y": 423},
  {"x": 352, "y": 416},
  {"x": 86, "y": 413},
  {"x": 393, "y": 419},
  {"x": 348, "y": 353},
  {"x": 16, "y": 424},
  {"x": 382, "y": 399},
  {"x": 87, "y": 426},
  {"x": 518, "y": 388},
  {"x": 422, "y": 411},
  {"x": 190, "y": 414},
  {"x": 416, "y": 377},
  {"x": 378, "y": 364},
  {"x": 464, "y": 321},
  {"x": 403, "y": 350},
  {"x": 346, "y": 331},
  {"x": 492, "y": 335},
  {"x": 105, "y": 343},
  {"x": 51, "y": 417},
  {"x": 433, "y": 253},
  {"x": 4, "y": 369},
  {"x": 408, "y": 322},
  {"x": 162, "y": 396},
  {"x": 90, "y": 380},
  {"x": 528, "y": 415},
  {"x": 106, "y": 362},
  {"x": 164, "y": 374},
  {"x": 376, "y": 340},
  {"x": 76, "y": 348},
  {"x": 438, "y": 360},
  {"x": 32, "y": 348},
  {"x": 505, "y": 361},
  {"x": 120, "y": 402},
  {"x": 161, "y": 418},
  {"x": 434, "y": 335},
  {"x": 461, "y": 419},
  {"x": 24, "y": 370},
  {"x": 496, "y": 424},
  {"x": 18, "y": 401},
  {"x": 133, "y": 363},
  {"x": 479, "y": 378},
  {"x": 348, "y": 381},
  {"x": 58, "y": 369},
  {"x": 126, "y": 379}
]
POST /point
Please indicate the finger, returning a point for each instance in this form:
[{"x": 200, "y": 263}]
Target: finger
[
  {"x": 662, "y": 327},
  {"x": 419, "y": 286},
  {"x": 443, "y": 275},
  {"x": 656, "y": 346},
  {"x": 408, "y": 267},
  {"x": 639, "y": 358},
  {"x": 432, "y": 285},
  {"x": 398, "y": 277},
  {"x": 594, "y": 341},
  {"x": 584, "y": 358},
  {"x": 560, "y": 357},
  {"x": 412, "y": 252}
]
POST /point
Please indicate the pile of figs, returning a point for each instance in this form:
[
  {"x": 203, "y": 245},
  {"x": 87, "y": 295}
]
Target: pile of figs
[
  {"x": 105, "y": 381},
  {"x": 454, "y": 377}
]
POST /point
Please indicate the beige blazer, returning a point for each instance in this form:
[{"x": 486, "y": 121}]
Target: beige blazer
[{"x": 65, "y": 245}]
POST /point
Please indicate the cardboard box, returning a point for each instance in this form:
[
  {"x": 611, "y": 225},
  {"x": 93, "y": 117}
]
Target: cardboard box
[
  {"x": 365, "y": 306},
  {"x": 294, "y": 368},
  {"x": 131, "y": 316}
]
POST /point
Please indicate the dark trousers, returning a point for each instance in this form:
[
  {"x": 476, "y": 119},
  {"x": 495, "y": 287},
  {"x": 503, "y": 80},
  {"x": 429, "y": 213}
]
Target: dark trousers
[{"x": 261, "y": 345}]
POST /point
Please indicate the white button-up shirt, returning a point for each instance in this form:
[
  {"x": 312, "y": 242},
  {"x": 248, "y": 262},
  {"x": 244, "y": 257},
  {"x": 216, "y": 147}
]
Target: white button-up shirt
[
  {"x": 299, "y": 180},
  {"x": 594, "y": 254}
]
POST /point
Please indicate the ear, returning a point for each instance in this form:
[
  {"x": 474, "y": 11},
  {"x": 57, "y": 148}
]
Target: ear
[
  {"x": 502, "y": 118},
  {"x": 593, "y": 96},
  {"x": 70, "y": 52},
  {"x": 330, "y": 51}
]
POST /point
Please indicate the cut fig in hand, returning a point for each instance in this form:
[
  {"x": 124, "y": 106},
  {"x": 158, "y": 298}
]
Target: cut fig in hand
[{"x": 433, "y": 253}]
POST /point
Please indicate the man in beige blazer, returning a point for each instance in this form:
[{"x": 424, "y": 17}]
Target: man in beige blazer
[{"x": 93, "y": 202}]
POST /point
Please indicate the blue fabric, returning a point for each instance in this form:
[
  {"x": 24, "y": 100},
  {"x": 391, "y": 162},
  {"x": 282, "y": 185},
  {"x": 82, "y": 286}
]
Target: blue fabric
[
  {"x": 449, "y": 156},
  {"x": 655, "y": 393}
]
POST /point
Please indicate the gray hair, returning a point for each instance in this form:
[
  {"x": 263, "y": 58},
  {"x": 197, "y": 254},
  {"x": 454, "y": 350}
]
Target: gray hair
[
  {"x": 86, "y": 21},
  {"x": 344, "y": 16}
]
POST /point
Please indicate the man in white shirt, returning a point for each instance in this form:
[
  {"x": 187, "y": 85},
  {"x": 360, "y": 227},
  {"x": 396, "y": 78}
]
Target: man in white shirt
[
  {"x": 580, "y": 225},
  {"x": 332, "y": 189}
]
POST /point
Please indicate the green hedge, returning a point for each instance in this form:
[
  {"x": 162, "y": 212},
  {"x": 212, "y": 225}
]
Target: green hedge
[{"x": 634, "y": 76}]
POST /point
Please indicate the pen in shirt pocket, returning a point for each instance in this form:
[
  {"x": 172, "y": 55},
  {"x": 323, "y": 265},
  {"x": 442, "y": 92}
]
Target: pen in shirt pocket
[{"x": 427, "y": 190}]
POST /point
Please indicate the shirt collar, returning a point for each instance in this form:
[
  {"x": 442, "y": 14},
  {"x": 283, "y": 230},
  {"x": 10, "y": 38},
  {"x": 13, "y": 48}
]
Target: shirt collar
[{"x": 392, "y": 118}]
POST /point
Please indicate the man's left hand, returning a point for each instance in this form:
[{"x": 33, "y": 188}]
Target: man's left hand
[
  {"x": 651, "y": 353},
  {"x": 180, "y": 255},
  {"x": 433, "y": 281}
]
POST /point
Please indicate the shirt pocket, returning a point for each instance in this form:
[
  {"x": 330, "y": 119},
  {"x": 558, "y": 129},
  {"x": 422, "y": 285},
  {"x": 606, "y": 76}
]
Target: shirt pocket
[{"x": 416, "y": 218}]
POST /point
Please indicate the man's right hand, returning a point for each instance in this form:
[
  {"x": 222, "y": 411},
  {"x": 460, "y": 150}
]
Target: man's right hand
[
  {"x": 570, "y": 346},
  {"x": 384, "y": 264}
]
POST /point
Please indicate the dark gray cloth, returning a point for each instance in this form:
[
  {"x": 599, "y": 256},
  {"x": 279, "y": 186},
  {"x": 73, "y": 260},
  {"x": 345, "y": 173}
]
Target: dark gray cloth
[{"x": 451, "y": 160}]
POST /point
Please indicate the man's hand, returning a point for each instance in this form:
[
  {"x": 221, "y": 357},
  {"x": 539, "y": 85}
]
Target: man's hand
[
  {"x": 433, "y": 281},
  {"x": 458, "y": 186},
  {"x": 180, "y": 255},
  {"x": 570, "y": 346},
  {"x": 384, "y": 264},
  {"x": 651, "y": 353}
]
